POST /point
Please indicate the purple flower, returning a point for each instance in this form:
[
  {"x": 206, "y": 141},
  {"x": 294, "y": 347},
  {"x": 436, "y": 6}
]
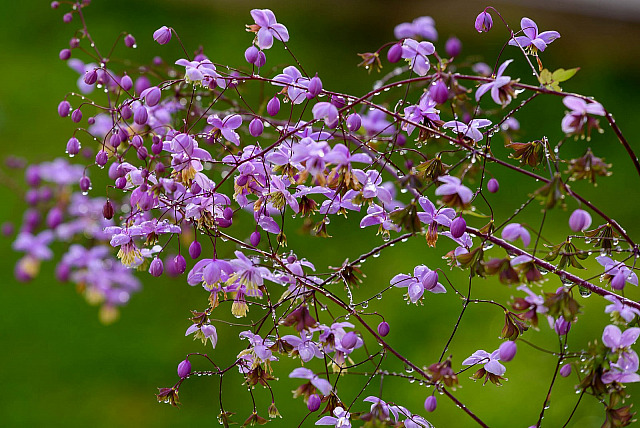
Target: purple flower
[
  {"x": 616, "y": 340},
  {"x": 471, "y": 130},
  {"x": 491, "y": 361},
  {"x": 184, "y": 368},
  {"x": 432, "y": 218},
  {"x": 453, "y": 187},
  {"x": 327, "y": 111},
  {"x": 425, "y": 109},
  {"x": 377, "y": 215},
  {"x": 247, "y": 273},
  {"x": 304, "y": 346},
  {"x": 416, "y": 53},
  {"x": 627, "y": 313},
  {"x": 35, "y": 245},
  {"x": 341, "y": 419},
  {"x": 303, "y": 373},
  {"x": 579, "y": 220},
  {"x": 423, "y": 279},
  {"x": 204, "y": 332},
  {"x": 501, "y": 91},
  {"x": 295, "y": 85},
  {"x": 513, "y": 231},
  {"x": 227, "y": 126},
  {"x": 202, "y": 73},
  {"x": 423, "y": 26},
  {"x": 162, "y": 35},
  {"x": 507, "y": 350},
  {"x": 617, "y": 272},
  {"x": 575, "y": 121},
  {"x": 267, "y": 28},
  {"x": 484, "y": 22},
  {"x": 532, "y": 38}
]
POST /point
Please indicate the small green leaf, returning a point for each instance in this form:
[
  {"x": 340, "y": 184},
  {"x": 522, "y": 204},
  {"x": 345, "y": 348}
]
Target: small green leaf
[{"x": 562, "y": 75}]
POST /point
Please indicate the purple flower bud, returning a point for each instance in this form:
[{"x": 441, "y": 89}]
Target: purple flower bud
[
  {"x": 142, "y": 153},
  {"x": 255, "y": 238},
  {"x": 73, "y": 146},
  {"x": 156, "y": 268},
  {"x": 144, "y": 173},
  {"x": 91, "y": 120},
  {"x": 228, "y": 213},
  {"x": 337, "y": 101},
  {"x": 184, "y": 368},
  {"x": 85, "y": 183},
  {"x": 126, "y": 112},
  {"x": 430, "y": 403},
  {"x": 354, "y": 121},
  {"x": 162, "y": 35},
  {"x": 64, "y": 54},
  {"x": 121, "y": 182},
  {"x": 7, "y": 228},
  {"x": 31, "y": 197},
  {"x": 383, "y": 328},
  {"x": 115, "y": 140},
  {"x": 493, "y": 185},
  {"x": 140, "y": 115},
  {"x": 67, "y": 17},
  {"x": 55, "y": 4},
  {"x": 195, "y": 188},
  {"x": 565, "y": 370},
  {"x": 561, "y": 326},
  {"x": 439, "y": 92},
  {"x": 507, "y": 350},
  {"x": 157, "y": 60},
  {"x": 142, "y": 83},
  {"x": 64, "y": 108},
  {"x": 458, "y": 227},
  {"x": 260, "y": 61},
  {"x": 130, "y": 41},
  {"x": 349, "y": 340},
  {"x": 315, "y": 87},
  {"x": 453, "y": 47},
  {"x": 195, "y": 249},
  {"x": 579, "y": 220},
  {"x": 63, "y": 272},
  {"x": 314, "y": 402},
  {"x": 32, "y": 218},
  {"x": 32, "y": 175},
  {"x": 74, "y": 42},
  {"x": 401, "y": 140},
  {"x": 76, "y": 116},
  {"x": 156, "y": 148},
  {"x": 151, "y": 96},
  {"x": 90, "y": 77},
  {"x": 160, "y": 169},
  {"x": 179, "y": 264},
  {"x": 618, "y": 281},
  {"x": 395, "y": 53},
  {"x": 137, "y": 141},
  {"x": 222, "y": 222},
  {"x": 251, "y": 54},
  {"x": 54, "y": 217},
  {"x": 45, "y": 194},
  {"x": 101, "y": 158},
  {"x": 126, "y": 82},
  {"x": 107, "y": 210},
  {"x": 256, "y": 127},
  {"x": 273, "y": 106},
  {"x": 484, "y": 22}
]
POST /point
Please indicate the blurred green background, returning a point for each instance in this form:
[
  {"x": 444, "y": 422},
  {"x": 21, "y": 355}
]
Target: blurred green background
[{"x": 62, "y": 368}]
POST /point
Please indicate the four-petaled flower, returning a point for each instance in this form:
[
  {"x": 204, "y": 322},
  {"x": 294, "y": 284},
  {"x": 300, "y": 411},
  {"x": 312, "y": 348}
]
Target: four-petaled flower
[
  {"x": 423, "y": 279},
  {"x": 531, "y": 38},
  {"x": 453, "y": 191},
  {"x": 575, "y": 121},
  {"x": 501, "y": 90},
  {"x": 471, "y": 130},
  {"x": 416, "y": 53},
  {"x": 491, "y": 361},
  {"x": 227, "y": 126},
  {"x": 341, "y": 419},
  {"x": 321, "y": 384},
  {"x": 267, "y": 28}
]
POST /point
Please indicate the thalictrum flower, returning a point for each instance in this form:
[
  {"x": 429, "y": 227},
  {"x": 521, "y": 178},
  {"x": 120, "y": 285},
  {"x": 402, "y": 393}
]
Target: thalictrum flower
[
  {"x": 471, "y": 130},
  {"x": 267, "y": 28},
  {"x": 423, "y": 279},
  {"x": 513, "y": 231},
  {"x": 453, "y": 189},
  {"x": 491, "y": 361},
  {"x": 416, "y": 53},
  {"x": 531, "y": 37},
  {"x": 423, "y": 26},
  {"x": 501, "y": 90},
  {"x": 575, "y": 121},
  {"x": 341, "y": 419},
  {"x": 303, "y": 373},
  {"x": 227, "y": 126},
  {"x": 627, "y": 313}
]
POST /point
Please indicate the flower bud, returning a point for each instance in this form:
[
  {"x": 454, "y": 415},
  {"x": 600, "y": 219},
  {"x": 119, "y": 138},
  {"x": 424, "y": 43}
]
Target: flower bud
[
  {"x": 102, "y": 158},
  {"x": 85, "y": 183},
  {"x": 579, "y": 220},
  {"x": 354, "y": 122},
  {"x": 156, "y": 148},
  {"x": 458, "y": 227},
  {"x": 115, "y": 140},
  {"x": 383, "y": 328},
  {"x": 126, "y": 112},
  {"x": 63, "y": 272},
  {"x": 315, "y": 87},
  {"x": 74, "y": 42},
  {"x": 76, "y": 116},
  {"x": 130, "y": 41},
  {"x": 137, "y": 141},
  {"x": 394, "y": 53},
  {"x": 160, "y": 168},
  {"x": 32, "y": 175},
  {"x": 561, "y": 326},
  {"x": 184, "y": 368},
  {"x": 273, "y": 106},
  {"x": 67, "y": 18},
  {"x": 90, "y": 77},
  {"x": 156, "y": 267},
  {"x": 565, "y": 370},
  {"x": 618, "y": 281},
  {"x": 31, "y": 197},
  {"x": 54, "y": 217},
  {"x": 55, "y": 4},
  {"x": 151, "y": 96},
  {"x": 64, "y": 108},
  {"x": 73, "y": 146},
  {"x": 107, "y": 210},
  {"x": 251, "y": 54},
  {"x": 140, "y": 115},
  {"x": 121, "y": 182},
  {"x": 142, "y": 153},
  {"x": 484, "y": 22},
  {"x": 439, "y": 92},
  {"x": 195, "y": 249},
  {"x": 64, "y": 54},
  {"x": 227, "y": 213},
  {"x": 179, "y": 264},
  {"x": 162, "y": 35},
  {"x": 314, "y": 402},
  {"x": 255, "y": 238},
  {"x": 337, "y": 101},
  {"x": 126, "y": 82},
  {"x": 507, "y": 350},
  {"x": 430, "y": 403},
  {"x": 349, "y": 340},
  {"x": 453, "y": 47},
  {"x": 493, "y": 185},
  {"x": 256, "y": 127}
]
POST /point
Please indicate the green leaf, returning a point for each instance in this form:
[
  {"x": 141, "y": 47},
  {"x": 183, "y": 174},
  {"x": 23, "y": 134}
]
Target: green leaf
[{"x": 562, "y": 75}]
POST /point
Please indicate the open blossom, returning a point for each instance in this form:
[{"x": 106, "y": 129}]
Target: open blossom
[
  {"x": 377, "y": 215},
  {"x": 617, "y": 273},
  {"x": 303, "y": 373},
  {"x": 453, "y": 191},
  {"x": 531, "y": 38},
  {"x": 627, "y": 313},
  {"x": 513, "y": 231},
  {"x": 491, "y": 361},
  {"x": 580, "y": 116},
  {"x": 327, "y": 111},
  {"x": 341, "y": 419},
  {"x": 202, "y": 73},
  {"x": 432, "y": 218},
  {"x": 227, "y": 126},
  {"x": 423, "y": 279},
  {"x": 471, "y": 130},
  {"x": 425, "y": 109},
  {"x": 204, "y": 332},
  {"x": 423, "y": 26},
  {"x": 296, "y": 86},
  {"x": 267, "y": 28},
  {"x": 416, "y": 53},
  {"x": 501, "y": 90},
  {"x": 304, "y": 346}
]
